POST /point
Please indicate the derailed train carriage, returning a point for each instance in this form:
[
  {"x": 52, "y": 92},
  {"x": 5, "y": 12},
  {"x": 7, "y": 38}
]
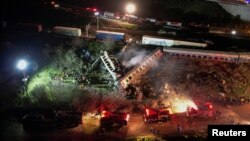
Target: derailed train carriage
[{"x": 236, "y": 57}]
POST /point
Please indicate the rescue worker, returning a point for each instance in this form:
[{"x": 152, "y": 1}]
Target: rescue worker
[
  {"x": 179, "y": 129},
  {"x": 151, "y": 129}
]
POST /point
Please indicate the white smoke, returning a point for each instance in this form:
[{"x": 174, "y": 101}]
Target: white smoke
[
  {"x": 132, "y": 57},
  {"x": 135, "y": 60}
]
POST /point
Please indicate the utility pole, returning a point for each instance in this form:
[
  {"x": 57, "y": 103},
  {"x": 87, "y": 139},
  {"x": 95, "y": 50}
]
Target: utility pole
[
  {"x": 87, "y": 27},
  {"x": 97, "y": 23}
]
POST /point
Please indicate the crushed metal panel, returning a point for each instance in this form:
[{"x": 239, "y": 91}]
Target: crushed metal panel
[{"x": 109, "y": 65}]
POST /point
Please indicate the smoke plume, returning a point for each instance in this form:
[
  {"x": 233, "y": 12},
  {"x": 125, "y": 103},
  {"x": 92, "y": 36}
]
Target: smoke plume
[{"x": 132, "y": 57}]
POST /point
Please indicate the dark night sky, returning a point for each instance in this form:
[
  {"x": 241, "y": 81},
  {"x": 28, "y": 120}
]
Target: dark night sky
[
  {"x": 112, "y": 5},
  {"x": 144, "y": 7},
  {"x": 161, "y": 9}
]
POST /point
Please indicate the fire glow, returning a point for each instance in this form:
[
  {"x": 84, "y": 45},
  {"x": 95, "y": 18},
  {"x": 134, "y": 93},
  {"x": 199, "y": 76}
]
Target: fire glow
[{"x": 180, "y": 105}]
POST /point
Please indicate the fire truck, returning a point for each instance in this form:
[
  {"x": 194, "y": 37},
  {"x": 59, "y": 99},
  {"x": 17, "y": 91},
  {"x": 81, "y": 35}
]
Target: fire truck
[
  {"x": 110, "y": 119},
  {"x": 204, "y": 110},
  {"x": 154, "y": 115}
]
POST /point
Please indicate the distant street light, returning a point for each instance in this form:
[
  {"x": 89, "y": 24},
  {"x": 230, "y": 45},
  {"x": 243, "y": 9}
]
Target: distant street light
[
  {"x": 96, "y": 13},
  {"x": 56, "y": 5},
  {"x": 130, "y": 8}
]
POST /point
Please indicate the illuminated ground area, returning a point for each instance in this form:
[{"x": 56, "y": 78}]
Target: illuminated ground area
[
  {"x": 208, "y": 80},
  {"x": 194, "y": 129},
  {"x": 41, "y": 78}
]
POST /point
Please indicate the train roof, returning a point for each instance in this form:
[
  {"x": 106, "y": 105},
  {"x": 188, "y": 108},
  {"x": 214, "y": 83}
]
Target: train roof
[
  {"x": 110, "y": 32},
  {"x": 63, "y": 27}
]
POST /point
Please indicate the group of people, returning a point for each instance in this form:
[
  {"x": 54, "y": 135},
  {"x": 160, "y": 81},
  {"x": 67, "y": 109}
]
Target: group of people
[
  {"x": 154, "y": 131},
  {"x": 157, "y": 131}
]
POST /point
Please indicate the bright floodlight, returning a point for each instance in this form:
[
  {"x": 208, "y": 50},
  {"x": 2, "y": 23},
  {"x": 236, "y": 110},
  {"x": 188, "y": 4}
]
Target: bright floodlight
[
  {"x": 22, "y": 64},
  {"x": 130, "y": 8},
  {"x": 233, "y": 32}
]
